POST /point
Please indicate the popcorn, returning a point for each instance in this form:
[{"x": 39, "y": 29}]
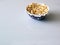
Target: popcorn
[{"x": 37, "y": 9}]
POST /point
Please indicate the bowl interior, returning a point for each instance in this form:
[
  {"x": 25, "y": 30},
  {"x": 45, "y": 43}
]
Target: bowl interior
[{"x": 38, "y": 15}]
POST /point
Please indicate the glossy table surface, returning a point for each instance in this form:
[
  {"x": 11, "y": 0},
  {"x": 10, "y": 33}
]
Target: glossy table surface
[{"x": 17, "y": 28}]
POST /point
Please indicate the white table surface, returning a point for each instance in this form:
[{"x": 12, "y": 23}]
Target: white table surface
[{"x": 17, "y": 28}]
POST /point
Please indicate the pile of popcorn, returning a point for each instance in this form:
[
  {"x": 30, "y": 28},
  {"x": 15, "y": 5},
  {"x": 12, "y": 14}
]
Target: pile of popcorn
[{"x": 38, "y": 9}]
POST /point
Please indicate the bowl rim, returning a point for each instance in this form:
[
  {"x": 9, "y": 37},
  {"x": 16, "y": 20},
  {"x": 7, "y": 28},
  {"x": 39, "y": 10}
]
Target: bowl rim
[{"x": 39, "y": 14}]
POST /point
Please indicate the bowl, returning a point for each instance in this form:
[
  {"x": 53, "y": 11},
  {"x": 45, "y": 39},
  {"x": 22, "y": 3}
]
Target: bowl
[{"x": 37, "y": 16}]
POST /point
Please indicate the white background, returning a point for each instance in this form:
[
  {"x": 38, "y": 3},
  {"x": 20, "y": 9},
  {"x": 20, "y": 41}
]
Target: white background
[{"x": 17, "y": 28}]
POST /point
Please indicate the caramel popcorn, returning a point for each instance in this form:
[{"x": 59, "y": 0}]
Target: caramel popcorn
[{"x": 37, "y": 9}]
